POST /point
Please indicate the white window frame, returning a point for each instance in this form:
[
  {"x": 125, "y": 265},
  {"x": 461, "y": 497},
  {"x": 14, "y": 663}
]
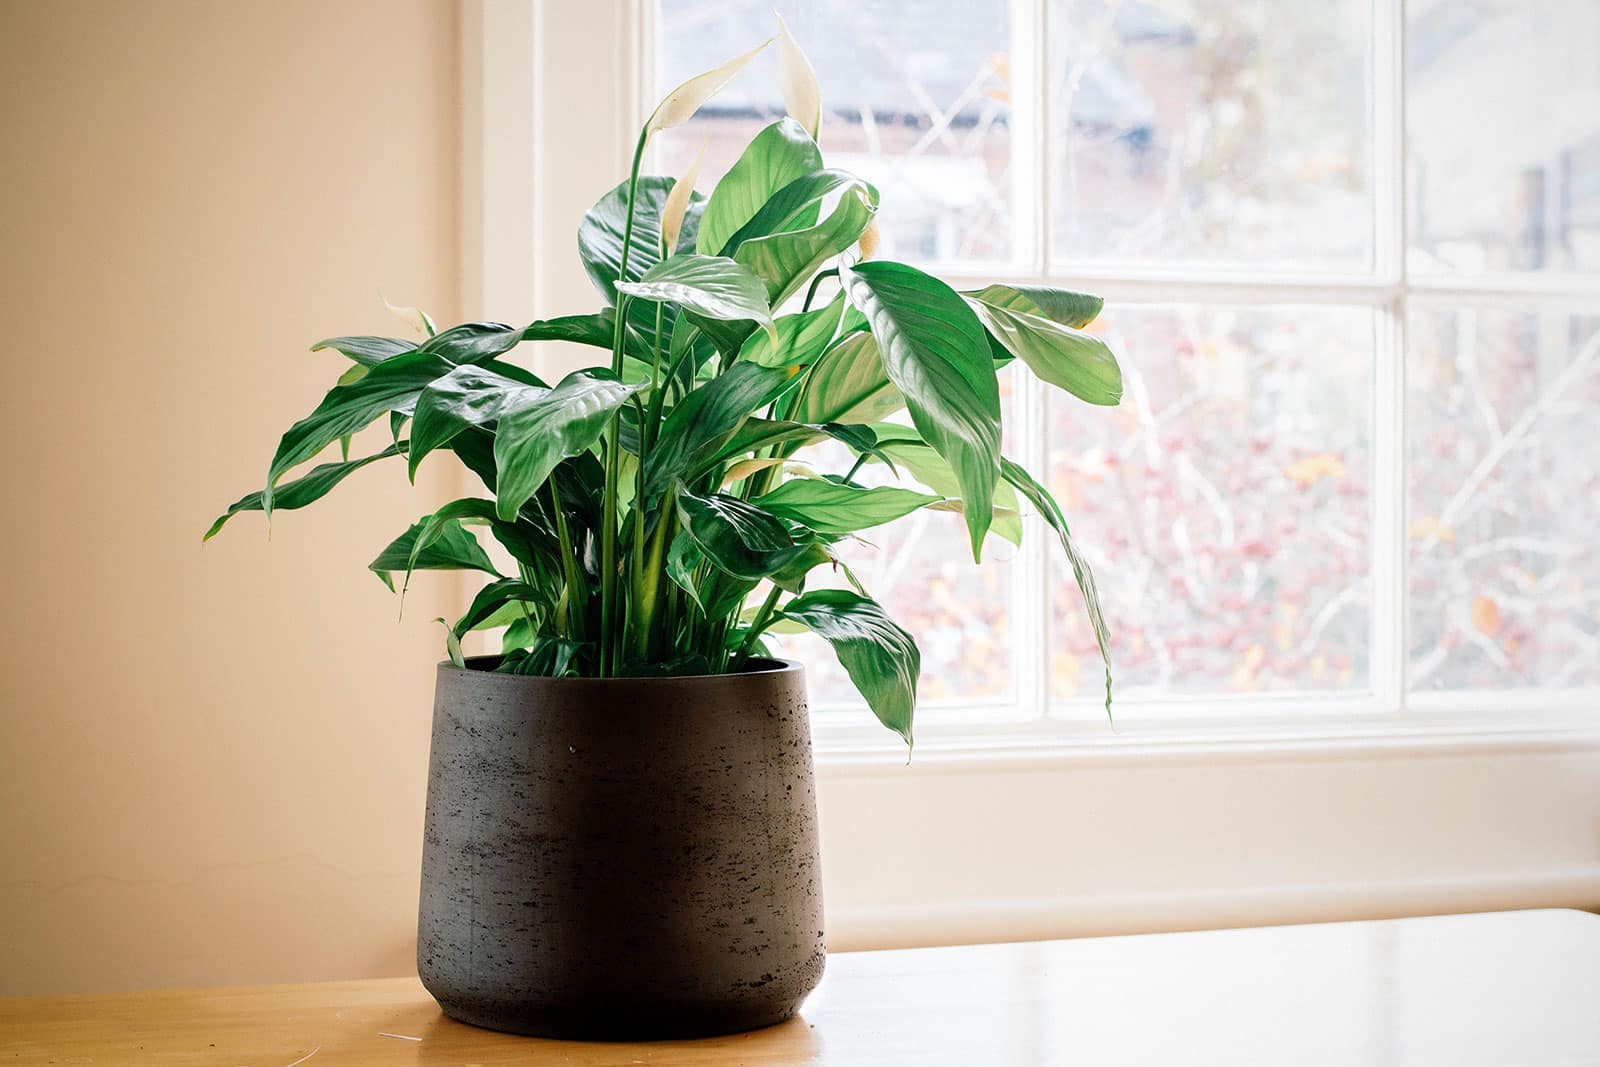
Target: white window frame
[{"x": 1200, "y": 813}]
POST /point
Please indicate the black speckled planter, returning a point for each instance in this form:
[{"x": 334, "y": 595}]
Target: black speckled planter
[{"x": 621, "y": 859}]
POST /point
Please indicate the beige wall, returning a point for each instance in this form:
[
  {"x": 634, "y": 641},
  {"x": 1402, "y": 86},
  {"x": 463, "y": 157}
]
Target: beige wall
[{"x": 211, "y": 759}]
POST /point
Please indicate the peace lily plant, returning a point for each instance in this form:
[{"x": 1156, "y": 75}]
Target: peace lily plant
[{"x": 657, "y": 521}]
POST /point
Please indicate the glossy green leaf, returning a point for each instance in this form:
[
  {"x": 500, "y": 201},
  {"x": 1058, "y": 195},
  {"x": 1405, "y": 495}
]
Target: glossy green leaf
[
  {"x": 600, "y": 234},
  {"x": 454, "y": 549},
  {"x": 802, "y": 338},
  {"x": 534, "y": 437},
  {"x": 473, "y": 342},
  {"x": 366, "y": 351},
  {"x": 390, "y": 386},
  {"x": 490, "y": 599},
  {"x": 712, "y": 286},
  {"x": 779, "y": 154},
  {"x": 835, "y": 508},
  {"x": 315, "y": 485},
  {"x": 467, "y": 396},
  {"x": 847, "y": 385},
  {"x": 699, "y": 423},
  {"x": 1041, "y": 499},
  {"x": 881, "y": 658},
  {"x": 736, "y": 537},
  {"x": 788, "y": 258},
  {"x": 1073, "y": 360},
  {"x": 1076, "y": 310},
  {"x": 934, "y": 350},
  {"x": 903, "y": 446}
]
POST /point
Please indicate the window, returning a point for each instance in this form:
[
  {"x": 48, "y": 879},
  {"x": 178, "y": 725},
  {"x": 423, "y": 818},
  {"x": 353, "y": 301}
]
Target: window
[{"x": 1352, "y": 255}]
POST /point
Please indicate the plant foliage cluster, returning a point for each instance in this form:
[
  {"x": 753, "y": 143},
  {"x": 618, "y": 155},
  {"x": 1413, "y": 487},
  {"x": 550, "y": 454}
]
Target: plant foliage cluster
[{"x": 656, "y": 521}]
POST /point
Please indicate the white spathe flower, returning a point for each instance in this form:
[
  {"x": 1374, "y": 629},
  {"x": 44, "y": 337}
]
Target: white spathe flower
[
  {"x": 677, "y": 204},
  {"x": 802, "y": 98},
  {"x": 415, "y": 318},
  {"x": 681, "y": 104}
]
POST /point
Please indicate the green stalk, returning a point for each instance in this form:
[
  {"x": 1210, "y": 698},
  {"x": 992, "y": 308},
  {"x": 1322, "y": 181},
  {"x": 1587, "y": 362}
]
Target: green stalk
[
  {"x": 757, "y": 624},
  {"x": 569, "y": 563},
  {"x": 608, "y": 522}
]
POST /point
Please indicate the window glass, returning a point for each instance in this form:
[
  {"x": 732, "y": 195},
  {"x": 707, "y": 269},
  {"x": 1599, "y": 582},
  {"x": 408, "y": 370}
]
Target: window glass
[
  {"x": 918, "y": 102},
  {"x": 1196, "y": 131},
  {"x": 1503, "y": 135},
  {"x": 1224, "y": 505},
  {"x": 1504, "y": 570}
]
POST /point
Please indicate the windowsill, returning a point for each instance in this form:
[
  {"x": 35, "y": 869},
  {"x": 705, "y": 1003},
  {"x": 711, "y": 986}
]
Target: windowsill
[{"x": 857, "y": 744}]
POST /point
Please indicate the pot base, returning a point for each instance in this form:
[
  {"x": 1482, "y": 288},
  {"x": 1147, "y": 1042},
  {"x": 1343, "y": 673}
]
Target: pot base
[{"x": 613, "y": 1022}]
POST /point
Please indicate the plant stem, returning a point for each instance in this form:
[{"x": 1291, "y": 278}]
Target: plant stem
[
  {"x": 608, "y": 522},
  {"x": 757, "y": 624},
  {"x": 569, "y": 564},
  {"x": 811, "y": 292}
]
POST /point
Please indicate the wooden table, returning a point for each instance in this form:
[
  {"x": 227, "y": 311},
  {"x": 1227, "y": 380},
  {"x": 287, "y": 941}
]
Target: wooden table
[{"x": 1520, "y": 989}]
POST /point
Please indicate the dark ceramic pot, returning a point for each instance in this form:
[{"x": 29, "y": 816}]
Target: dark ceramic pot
[{"x": 622, "y": 858}]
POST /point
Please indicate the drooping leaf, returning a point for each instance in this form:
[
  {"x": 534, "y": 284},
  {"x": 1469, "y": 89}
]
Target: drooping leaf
[
  {"x": 756, "y": 433},
  {"x": 779, "y": 154},
  {"x": 392, "y": 385},
  {"x": 736, "y": 537},
  {"x": 467, "y": 396},
  {"x": 490, "y": 599},
  {"x": 711, "y": 286},
  {"x": 1041, "y": 499},
  {"x": 902, "y": 445},
  {"x": 454, "y": 549},
  {"x": 1070, "y": 359},
  {"x": 834, "y": 508},
  {"x": 847, "y": 385},
  {"x": 315, "y": 485},
  {"x": 534, "y": 437},
  {"x": 366, "y": 351},
  {"x": 1076, "y": 310},
  {"x": 680, "y": 105},
  {"x": 881, "y": 658},
  {"x": 934, "y": 350}
]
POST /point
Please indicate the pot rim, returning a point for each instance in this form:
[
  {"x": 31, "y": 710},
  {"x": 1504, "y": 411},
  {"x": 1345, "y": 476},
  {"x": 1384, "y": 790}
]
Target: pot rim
[{"x": 773, "y": 666}]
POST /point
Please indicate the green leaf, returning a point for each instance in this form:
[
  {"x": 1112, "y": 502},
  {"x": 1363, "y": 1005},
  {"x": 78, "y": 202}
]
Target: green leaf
[
  {"x": 1041, "y": 499},
  {"x": 366, "y": 351},
  {"x": 787, "y": 259},
  {"x": 699, "y": 422},
  {"x": 473, "y": 342},
  {"x": 601, "y": 232},
  {"x": 880, "y": 657},
  {"x": 467, "y": 396},
  {"x": 454, "y": 549},
  {"x": 736, "y": 537},
  {"x": 711, "y": 286},
  {"x": 801, "y": 339},
  {"x": 452, "y": 646},
  {"x": 392, "y": 385},
  {"x": 316, "y": 484},
  {"x": 597, "y": 330},
  {"x": 1076, "y": 310},
  {"x": 847, "y": 385},
  {"x": 835, "y": 508},
  {"x": 1075, "y": 361},
  {"x": 902, "y": 445},
  {"x": 533, "y": 438},
  {"x": 778, "y": 155},
  {"x": 490, "y": 599},
  {"x": 934, "y": 350}
]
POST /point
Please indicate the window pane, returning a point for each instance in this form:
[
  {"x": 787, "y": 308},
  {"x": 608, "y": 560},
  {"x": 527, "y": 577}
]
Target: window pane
[
  {"x": 1224, "y": 505},
  {"x": 920, "y": 569},
  {"x": 1503, "y": 129},
  {"x": 1504, "y": 574},
  {"x": 1212, "y": 130},
  {"x": 919, "y": 106}
]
